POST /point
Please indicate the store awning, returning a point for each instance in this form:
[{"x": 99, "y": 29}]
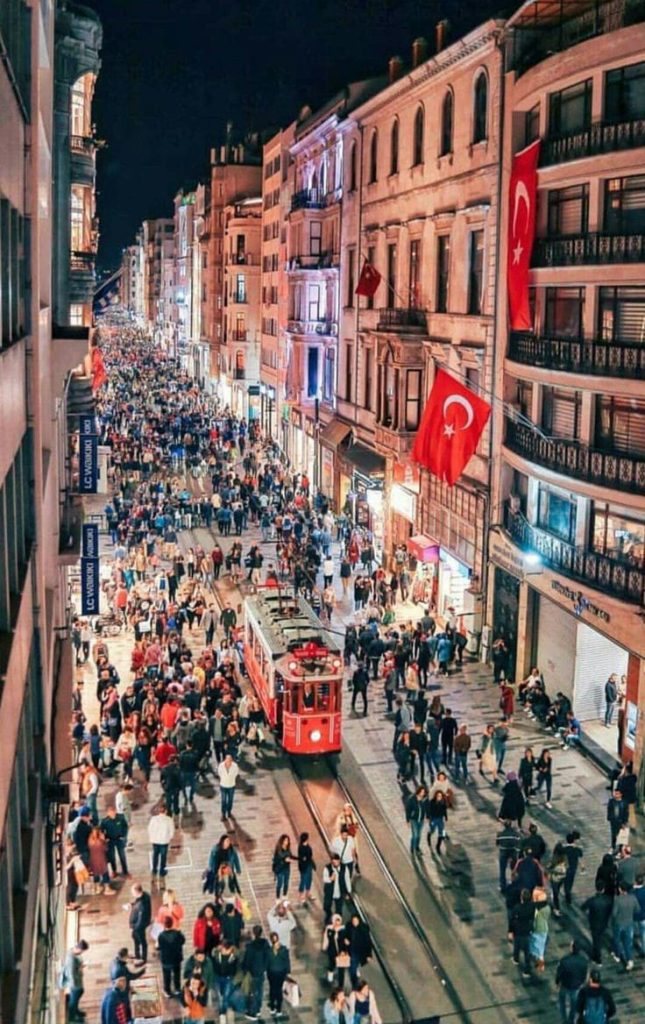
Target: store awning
[
  {"x": 369, "y": 463},
  {"x": 335, "y": 433},
  {"x": 424, "y": 549}
]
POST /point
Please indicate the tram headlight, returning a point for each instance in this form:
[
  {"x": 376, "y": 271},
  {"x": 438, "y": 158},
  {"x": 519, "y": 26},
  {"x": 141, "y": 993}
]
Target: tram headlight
[
  {"x": 315, "y": 735},
  {"x": 293, "y": 665}
]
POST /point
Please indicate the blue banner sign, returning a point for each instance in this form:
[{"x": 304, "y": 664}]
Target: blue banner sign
[
  {"x": 88, "y": 458},
  {"x": 90, "y": 586},
  {"x": 87, "y": 424},
  {"x": 90, "y": 540}
]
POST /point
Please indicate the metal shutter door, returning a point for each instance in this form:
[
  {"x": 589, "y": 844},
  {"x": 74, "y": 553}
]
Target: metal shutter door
[
  {"x": 597, "y": 657},
  {"x": 556, "y": 649}
]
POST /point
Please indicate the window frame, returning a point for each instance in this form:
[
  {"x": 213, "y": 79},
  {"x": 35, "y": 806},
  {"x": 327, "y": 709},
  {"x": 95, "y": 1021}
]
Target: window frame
[
  {"x": 418, "y": 137},
  {"x": 480, "y": 107}
]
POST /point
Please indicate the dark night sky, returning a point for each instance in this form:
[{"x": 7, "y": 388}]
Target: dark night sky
[{"x": 175, "y": 71}]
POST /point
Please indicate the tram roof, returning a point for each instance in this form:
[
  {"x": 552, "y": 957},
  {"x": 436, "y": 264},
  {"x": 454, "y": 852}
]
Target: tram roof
[{"x": 288, "y": 621}]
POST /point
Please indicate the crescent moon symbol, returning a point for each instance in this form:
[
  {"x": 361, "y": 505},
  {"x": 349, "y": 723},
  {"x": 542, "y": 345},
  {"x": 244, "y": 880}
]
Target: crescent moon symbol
[
  {"x": 464, "y": 403},
  {"x": 521, "y": 195}
]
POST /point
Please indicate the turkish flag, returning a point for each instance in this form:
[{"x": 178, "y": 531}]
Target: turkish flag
[
  {"x": 369, "y": 281},
  {"x": 452, "y": 423},
  {"x": 522, "y": 199},
  {"x": 99, "y": 373}
]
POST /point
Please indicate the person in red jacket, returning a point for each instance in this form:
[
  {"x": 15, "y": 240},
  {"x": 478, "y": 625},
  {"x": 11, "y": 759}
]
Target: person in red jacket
[
  {"x": 165, "y": 750},
  {"x": 207, "y": 929}
]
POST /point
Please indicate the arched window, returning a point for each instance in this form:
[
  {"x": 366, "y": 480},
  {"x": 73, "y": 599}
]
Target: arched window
[
  {"x": 446, "y": 124},
  {"x": 323, "y": 177},
  {"x": 352, "y": 168},
  {"x": 374, "y": 157},
  {"x": 417, "y": 141},
  {"x": 480, "y": 108},
  {"x": 394, "y": 147}
]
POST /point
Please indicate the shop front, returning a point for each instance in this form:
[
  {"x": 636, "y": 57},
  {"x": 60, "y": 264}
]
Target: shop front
[
  {"x": 366, "y": 471},
  {"x": 424, "y": 560},
  {"x": 404, "y": 498},
  {"x": 333, "y": 483}
]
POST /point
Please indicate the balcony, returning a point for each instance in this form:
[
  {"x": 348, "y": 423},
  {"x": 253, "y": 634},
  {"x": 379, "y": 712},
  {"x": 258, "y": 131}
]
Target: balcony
[
  {"x": 308, "y": 199},
  {"x": 615, "y": 470},
  {"x": 324, "y": 261},
  {"x": 537, "y": 36},
  {"x": 326, "y": 328},
  {"x": 599, "y": 138},
  {"x": 402, "y": 320},
  {"x": 599, "y": 358},
  {"x": 395, "y": 440},
  {"x": 82, "y": 262},
  {"x": 82, "y": 144},
  {"x": 596, "y": 247},
  {"x": 613, "y": 576}
]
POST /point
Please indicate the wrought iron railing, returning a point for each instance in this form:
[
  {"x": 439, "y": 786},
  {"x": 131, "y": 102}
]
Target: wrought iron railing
[
  {"x": 395, "y": 319},
  {"x": 574, "y": 355},
  {"x": 308, "y": 199},
  {"x": 615, "y": 576},
  {"x": 82, "y": 144},
  {"x": 615, "y": 470},
  {"x": 598, "y": 138},
  {"x": 594, "y": 247},
  {"x": 82, "y": 261}
]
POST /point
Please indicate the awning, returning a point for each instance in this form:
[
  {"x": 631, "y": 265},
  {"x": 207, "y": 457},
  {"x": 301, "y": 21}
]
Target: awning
[
  {"x": 369, "y": 463},
  {"x": 424, "y": 549},
  {"x": 335, "y": 433}
]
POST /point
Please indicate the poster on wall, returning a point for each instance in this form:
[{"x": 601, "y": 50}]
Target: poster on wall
[{"x": 631, "y": 723}]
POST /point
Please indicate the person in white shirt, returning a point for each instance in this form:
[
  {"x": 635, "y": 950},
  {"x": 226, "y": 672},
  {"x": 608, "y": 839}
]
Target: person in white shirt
[
  {"x": 345, "y": 846},
  {"x": 228, "y": 772},
  {"x": 282, "y": 922},
  {"x": 161, "y": 829},
  {"x": 328, "y": 571}
]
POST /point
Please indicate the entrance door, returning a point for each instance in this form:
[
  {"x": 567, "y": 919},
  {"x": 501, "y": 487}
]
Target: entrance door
[{"x": 506, "y": 605}]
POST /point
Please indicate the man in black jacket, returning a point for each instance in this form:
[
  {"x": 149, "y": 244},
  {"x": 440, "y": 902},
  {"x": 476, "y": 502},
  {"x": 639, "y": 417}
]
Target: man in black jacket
[
  {"x": 115, "y": 829},
  {"x": 256, "y": 961},
  {"x": 570, "y": 976},
  {"x": 360, "y": 682},
  {"x": 598, "y": 909},
  {"x": 521, "y": 926},
  {"x": 171, "y": 783},
  {"x": 171, "y": 952},
  {"x": 592, "y": 993},
  {"x": 140, "y": 918}
]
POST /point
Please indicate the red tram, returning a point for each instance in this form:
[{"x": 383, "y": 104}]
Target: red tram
[{"x": 296, "y": 669}]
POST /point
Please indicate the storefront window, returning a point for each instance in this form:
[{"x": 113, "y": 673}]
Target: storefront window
[
  {"x": 557, "y": 514},
  {"x": 618, "y": 536}
]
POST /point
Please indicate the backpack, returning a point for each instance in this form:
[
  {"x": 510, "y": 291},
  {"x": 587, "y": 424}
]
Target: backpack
[{"x": 595, "y": 1011}]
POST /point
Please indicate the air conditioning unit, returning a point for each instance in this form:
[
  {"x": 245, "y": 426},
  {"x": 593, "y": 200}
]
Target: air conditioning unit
[{"x": 514, "y": 503}]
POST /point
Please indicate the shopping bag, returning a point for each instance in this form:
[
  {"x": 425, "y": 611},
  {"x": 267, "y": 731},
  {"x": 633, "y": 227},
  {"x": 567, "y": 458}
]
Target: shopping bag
[
  {"x": 622, "y": 839},
  {"x": 156, "y": 930},
  {"x": 291, "y": 992}
]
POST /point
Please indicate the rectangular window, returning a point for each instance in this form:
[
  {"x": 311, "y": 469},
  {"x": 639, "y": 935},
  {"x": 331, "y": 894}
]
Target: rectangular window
[
  {"x": 240, "y": 327},
  {"x": 315, "y": 238},
  {"x": 369, "y": 377},
  {"x": 391, "y": 276},
  {"x": 312, "y": 371},
  {"x": 240, "y": 244},
  {"x": 564, "y": 310},
  {"x": 557, "y": 514},
  {"x": 76, "y": 314},
  {"x": 618, "y": 534},
  {"x": 415, "y": 274},
  {"x": 77, "y": 219},
  {"x": 475, "y": 272},
  {"x": 625, "y": 93},
  {"x": 620, "y": 425},
  {"x": 568, "y": 210},
  {"x": 561, "y": 413},
  {"x": 330, "y": 377},
  {"x": 313, "y": 312},
  {"x": 621, "y": 314},
  {"x": 351, "y": 277},
  {"x": 79, "y": 119},
  {"x": 473, "y": 379},
  {"x": 370, "y": 259},
  {"x": 443, "y": 272},
  {"x": 625, "y": 205},
  {"x": 412, "y": 399},
  {"x": 570, "y": 109},
  {"x": 532, "y": 125},
  {"x": 349, "y": 371},
  {"x": 240, "y": 288}
]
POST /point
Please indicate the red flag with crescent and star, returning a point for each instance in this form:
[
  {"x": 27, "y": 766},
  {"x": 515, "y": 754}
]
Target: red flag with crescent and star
[
  {"x": 452, "y": 423},
  {"x": 369, "y": 281},
  {"x": 99, "y": 373},
  {"x": 521, "y": 234}
]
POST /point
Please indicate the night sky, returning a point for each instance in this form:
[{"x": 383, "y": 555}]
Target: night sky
[{"x": 175, "y": 71}]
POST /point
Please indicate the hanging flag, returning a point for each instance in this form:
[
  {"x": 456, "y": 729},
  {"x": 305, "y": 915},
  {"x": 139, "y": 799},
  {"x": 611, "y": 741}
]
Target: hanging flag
[
  {"x": 452, "y": 423},
  {"x": 369, "y": 281},
  {"x": 99, "y": 374},
  {"x": 521, "y": 234}
]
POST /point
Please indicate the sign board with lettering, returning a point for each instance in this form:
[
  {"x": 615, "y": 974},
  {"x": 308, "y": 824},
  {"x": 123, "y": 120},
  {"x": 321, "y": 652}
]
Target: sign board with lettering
[
  {"x": 90, "y": 540},
  {"x": 88, "y": 459},
  {"x": 90, "y": 586},
  {"x": 504, "y": 554}
]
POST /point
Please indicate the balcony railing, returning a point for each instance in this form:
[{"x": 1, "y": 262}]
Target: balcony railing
[
  {"x": 325, "y": 261},
  {"x": 82, "y": 144},
  {"x": 82, "y": 261},
  {"x": 328, "y": 328},
  {"x": 595, "y": 247},
  {"x": 308, "y": 199},
  {"x": 598, "y": 138},
  {"x": 613, "y": 576},
  {"x": 401, "y": 319},
  {"x": 571, "y": 355},
  {"x": 571, "y": 458},
  {"x": 533, "y": 42}
]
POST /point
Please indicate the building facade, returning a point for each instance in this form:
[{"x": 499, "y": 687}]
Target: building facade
[
  {"x": 568, "y": 540},
  {"x": 182, "y": 273},
  {"x": 242, "y": 307}
]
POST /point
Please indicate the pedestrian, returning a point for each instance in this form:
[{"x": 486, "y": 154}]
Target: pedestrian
[
  {"x": 360, "y": 946},
  {"x": 611, "y": 696},
  {"x": 207, "y": 929},
  {"x": 278, "y": 967},
  {"x": 570, "y": 976},
  {"x": 281, "y": 865},
  {"x": 486, "y": 754},
  {"x": 525, "y": 772},
  {"x": 345, "y": 846},
  {"x": 415, "y": 814},
  {"x": 282, "y": 921},
  {"x": 161, "y": 829},
  {"x": 140, "y": 908},
  {"x": 540, "y": 933},
  {"x": 437, "y": 815},
  {"x": 98, "y": 863},
  {"x": 360, "y": 682},
  {"x": 500, "y": 741},
  {"x": 449, "y": 730},
  {"x": 225, "y": 964},
  {"x": 521, "y": 927},
  {"x": 508, "y": 844},
  {"x": 545, "y": 775},
  {"x": 171, "y": 946},
  {"x": 71, "y": 980},
  {"x": 337, "y": 886},
  {"x": 256, "y": 962},
  {"x": 617, "y": 816},
  {"x": 119, "y": 969},
  {"x": 228, "y": 772},
  {"x": 598, "y": 910},
  {"x": 115, "y": 1004},
  {"x": 335, "y": 944},
  {"x": 115, "y": 829},
  {"x": 306, "y": 868},
  {"x": 513, "y": 806},
  {"x": 362, "y": 1004},
  {"x": 574, "y": 855},
  {"x": 334, "y": 1007},
  {"x": 463, "y": 744},
  {"x": 624, "y": 913},
  {"x": 595, "y": 1003}
]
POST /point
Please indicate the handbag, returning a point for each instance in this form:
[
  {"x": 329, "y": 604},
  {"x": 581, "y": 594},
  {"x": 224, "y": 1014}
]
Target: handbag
[
  {"x": 81, "y": 875},
  {"x": 156, "y": 930},
  {"x": 343, "y": 960},
  {"x": 622, "y": 839},
  {"x": 291, "y": 991}
]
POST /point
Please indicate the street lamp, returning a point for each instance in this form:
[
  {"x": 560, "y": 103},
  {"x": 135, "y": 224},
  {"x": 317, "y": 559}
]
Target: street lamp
[{"x": 532, "y": 564}]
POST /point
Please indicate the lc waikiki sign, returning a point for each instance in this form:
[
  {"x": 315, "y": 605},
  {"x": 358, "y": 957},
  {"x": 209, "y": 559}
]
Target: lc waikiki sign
[{"x": 88, "y": 456}]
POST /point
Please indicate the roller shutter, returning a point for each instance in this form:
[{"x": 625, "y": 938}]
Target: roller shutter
[
  {"x": 596, "y": 658},
  {"x": 556, "y": 648}
]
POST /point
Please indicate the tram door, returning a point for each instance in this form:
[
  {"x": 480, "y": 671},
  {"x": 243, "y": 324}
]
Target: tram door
[{"x": 279, "y": 690}]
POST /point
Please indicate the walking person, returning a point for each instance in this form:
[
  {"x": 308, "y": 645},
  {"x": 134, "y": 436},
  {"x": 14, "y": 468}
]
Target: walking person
[
  {"x": 161, "y": 829},
  {"x": 449, "y": 730},
  {"x": 71, "y": 981},
  {"x": 278, "y": 967},
  {"x": 624, "y": 914},
  {"x": 228, "y": 772},
  {"x": 256, "y": 963},
  {"x": 281, "y": 865},
  {"x": 171, "y": 946},
  {"x": 617, "y": 816},
  {"x": 463, "y": 744},
  {"x": 306, "y": 868},
  {"x": 437, "y": 815},
  {"x": 570, "y": 976},
  {"x": 595, "y": 1003},
  {"x": 415, "y": 814},
  {"x": 545, "y": 775},
  {"x": 362, "y": 1004},
  {"x": 521, "y": 927},
  {"x": 486, "y": 754},
  {"x": 140, "y": 908},
  {"x": 598, "y": 909},
  {"x": 525, "y": 771}
]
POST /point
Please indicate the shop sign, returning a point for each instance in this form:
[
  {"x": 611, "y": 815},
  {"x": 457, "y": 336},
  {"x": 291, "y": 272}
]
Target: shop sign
[
  {"x": 90, "y": 547},
  {"x": 403, "y": 502},
  {"x": 580, "y": 602},
  {"x": 631, "y": 723},
  {"x": 504, "y": 554},
  {"x": 90, "y": 586},
  {"x": 88, "y": 459},
  {"x": 407, "y": 474},
  {"x": 363, "y": 513}
]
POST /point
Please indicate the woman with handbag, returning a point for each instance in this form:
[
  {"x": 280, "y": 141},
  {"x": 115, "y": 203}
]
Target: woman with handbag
[
  {"x": 223, "y": 854},
  {"x": 336, "y": 945}
]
